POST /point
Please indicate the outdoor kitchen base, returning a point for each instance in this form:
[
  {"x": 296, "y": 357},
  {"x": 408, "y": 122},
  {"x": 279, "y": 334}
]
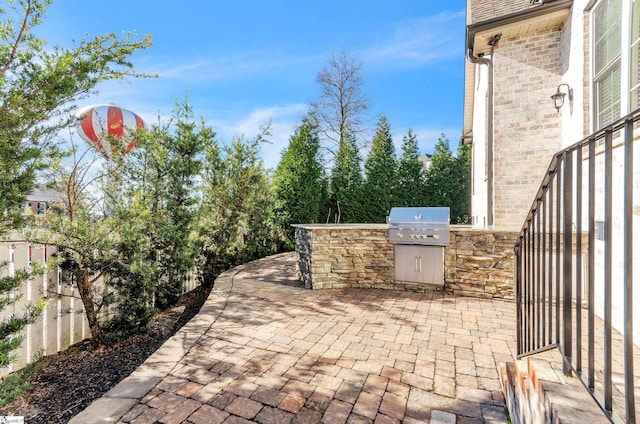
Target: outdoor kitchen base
[{"x": 477, "y": 262}]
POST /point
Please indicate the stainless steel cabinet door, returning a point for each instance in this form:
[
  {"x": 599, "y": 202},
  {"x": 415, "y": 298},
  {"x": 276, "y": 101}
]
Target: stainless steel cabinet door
[{"x": 419, "y": 264}]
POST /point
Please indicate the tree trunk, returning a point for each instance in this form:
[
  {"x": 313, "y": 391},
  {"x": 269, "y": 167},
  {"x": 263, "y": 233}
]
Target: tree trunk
[{"x": 86, "y": 294}]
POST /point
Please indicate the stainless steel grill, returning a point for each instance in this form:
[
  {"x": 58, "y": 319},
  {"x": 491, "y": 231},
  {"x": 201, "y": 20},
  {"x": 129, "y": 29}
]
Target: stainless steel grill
[
  {"x": 419, "y": 235},
  {"x": 425, "y": 226}
]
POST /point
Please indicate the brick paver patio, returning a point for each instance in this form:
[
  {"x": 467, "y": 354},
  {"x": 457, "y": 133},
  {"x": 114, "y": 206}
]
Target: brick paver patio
[{"x": 265, "y": 349}]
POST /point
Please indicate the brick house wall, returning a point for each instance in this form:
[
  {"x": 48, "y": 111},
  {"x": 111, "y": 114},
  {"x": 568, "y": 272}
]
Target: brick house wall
[
  {"x": 527, "y": 129},
  {"x": 483, "y": 10}
]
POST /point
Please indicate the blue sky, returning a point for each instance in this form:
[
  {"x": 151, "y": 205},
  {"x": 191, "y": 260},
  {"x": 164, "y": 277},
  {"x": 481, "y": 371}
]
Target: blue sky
[{"x": 245, "y": 62}]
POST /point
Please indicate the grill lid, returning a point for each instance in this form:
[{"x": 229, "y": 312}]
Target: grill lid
[
  {"x": 419, "y": 216},
  {"x": 419, "y": 225}
]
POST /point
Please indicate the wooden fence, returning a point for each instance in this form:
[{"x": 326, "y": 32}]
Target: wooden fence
[{"x": 63, "y": 321}]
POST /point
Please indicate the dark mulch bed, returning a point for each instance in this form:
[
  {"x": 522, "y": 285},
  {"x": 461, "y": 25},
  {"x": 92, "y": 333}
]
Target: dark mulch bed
[{"x": 65, "y": 384}]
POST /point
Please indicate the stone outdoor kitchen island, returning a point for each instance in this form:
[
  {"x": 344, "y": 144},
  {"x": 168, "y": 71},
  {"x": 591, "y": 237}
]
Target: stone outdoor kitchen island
[{"x": 477, "y": 262}]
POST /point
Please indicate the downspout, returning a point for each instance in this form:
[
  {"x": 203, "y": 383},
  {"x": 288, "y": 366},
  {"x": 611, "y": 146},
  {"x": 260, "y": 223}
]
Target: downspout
[{"x": 481, "y": 60}]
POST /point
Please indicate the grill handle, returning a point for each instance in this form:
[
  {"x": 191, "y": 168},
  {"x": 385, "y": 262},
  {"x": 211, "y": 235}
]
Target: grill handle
[{"x": 417, "y": 263}]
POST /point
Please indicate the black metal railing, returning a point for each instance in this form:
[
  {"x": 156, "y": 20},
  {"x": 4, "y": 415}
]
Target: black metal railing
[{"x": 574, "y": 266}]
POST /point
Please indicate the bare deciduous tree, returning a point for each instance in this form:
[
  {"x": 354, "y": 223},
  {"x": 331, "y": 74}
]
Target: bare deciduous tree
[{"x": 341, "y": 106}]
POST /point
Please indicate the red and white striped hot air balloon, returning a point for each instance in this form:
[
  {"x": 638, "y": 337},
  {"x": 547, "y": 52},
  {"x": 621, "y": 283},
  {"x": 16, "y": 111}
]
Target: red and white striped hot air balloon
[{"x": 102, "y": 125}]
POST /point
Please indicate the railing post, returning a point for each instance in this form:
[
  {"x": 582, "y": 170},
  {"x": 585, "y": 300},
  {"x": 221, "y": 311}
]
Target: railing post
[
  {"x": 543, "y": 264},
  {"x": 550, "y": 262},
  {"x": 537, "y": 249},
  {"x": 628, "y": 274},
  {"x": 608, "y": 257},
  {"x": 579, "y": 275},
  {"x": 525, "y": 290},
  {"x": 558, "y": 231},
  {"x": 530, "y": 294},
  {"x": 591, "y": 271},
  {"x": 518, "y": 275},
  {"x": 567, "y": 251}
]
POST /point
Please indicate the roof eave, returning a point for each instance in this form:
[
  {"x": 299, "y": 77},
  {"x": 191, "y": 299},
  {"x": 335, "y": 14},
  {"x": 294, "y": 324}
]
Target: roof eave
[{"x": 554, "y": 13}]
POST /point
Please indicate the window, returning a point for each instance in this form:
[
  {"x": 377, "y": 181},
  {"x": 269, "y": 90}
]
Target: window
[
  {"x": 616, "y": 53},
  {"x": 42, "y": 208},
  {"x": 607, "y": 59}
]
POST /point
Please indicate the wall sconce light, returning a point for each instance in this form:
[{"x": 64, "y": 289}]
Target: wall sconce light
[{"x": 558, "y": 97}]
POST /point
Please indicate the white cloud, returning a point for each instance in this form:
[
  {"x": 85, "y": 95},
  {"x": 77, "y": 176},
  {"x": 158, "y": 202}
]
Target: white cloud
[
  {"x": 284, "y": 120},
  {"x": 419, "y": 41},
  {"x": 409, "y": 43},
  {"x": 237, "y": 66},
  {"x": 249, "y": 124}
]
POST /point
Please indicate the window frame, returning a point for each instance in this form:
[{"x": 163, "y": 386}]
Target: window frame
[
  {"x": 622, "y": 60},
  {"x": 634, "y": 43}
]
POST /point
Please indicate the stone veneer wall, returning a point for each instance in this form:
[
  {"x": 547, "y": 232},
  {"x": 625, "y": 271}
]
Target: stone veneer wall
[
  {"x": 481, "y": 263},
  {"x": 477, "y": 262},
  {"x": 342, "y": 256}
]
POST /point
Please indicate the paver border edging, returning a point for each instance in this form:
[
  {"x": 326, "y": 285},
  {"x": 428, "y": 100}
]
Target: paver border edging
[{"x": 114, "y": 404}]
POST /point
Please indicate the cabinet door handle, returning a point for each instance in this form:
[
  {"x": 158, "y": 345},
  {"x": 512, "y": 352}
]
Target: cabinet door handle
[
  {"x": 415, "y": 264},
  {"x": 420, "y": 264}
]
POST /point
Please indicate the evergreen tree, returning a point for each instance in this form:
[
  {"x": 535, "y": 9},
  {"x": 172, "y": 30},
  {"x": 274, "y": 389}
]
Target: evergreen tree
[
  {"x": 103, "y": 255},
  {"x": 235, "y": 226},
  {"x": 440, "y": 182},
  {"x": 10, "y": 327},
  {"x": 172, "y": 164},
  {"x": 463, "y": 204},
  {"x": 39, "y": 85},
  {"x": 325, "y": 200},
  {"x": 410, "y": 181},
  {"x": 346, "y": 184},
  {"x": 85, "y": 243},
  {"x": 379, "y": 169},
  {"x": 448, "y": 180},
  {"x": 298, "y": 182},
  {"x": 135, "y": 257}
]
